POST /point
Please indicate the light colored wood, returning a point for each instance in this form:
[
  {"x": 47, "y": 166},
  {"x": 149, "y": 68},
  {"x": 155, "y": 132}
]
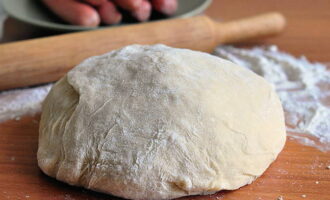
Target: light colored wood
[
  {"x": 250, "y": 28},
  {"x": 293, "y": 174},
  {"x": 45, "y": 60},
  {"x": 308, "y": 24}
]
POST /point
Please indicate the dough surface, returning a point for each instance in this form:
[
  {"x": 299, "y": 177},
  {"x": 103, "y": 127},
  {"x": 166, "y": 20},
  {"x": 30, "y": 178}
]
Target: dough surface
[{"x": 155, "y": 122}]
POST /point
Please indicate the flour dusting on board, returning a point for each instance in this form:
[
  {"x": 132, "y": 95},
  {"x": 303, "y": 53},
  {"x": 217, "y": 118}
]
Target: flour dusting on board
[
  {"x": 302, "y": 86},
  {"x": 16, "y": 103}
]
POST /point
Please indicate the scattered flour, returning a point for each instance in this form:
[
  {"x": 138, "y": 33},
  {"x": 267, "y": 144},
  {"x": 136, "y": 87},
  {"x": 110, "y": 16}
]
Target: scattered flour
[
  {"x": 16, "y": 103},
  {"x": 303, "y": 87}
]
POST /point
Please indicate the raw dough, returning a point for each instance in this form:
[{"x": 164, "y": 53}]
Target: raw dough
[{"x": 155, "y": 122}]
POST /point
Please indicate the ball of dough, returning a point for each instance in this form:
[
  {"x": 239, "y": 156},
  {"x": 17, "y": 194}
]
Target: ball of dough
[{"x": 155, "y": 122}]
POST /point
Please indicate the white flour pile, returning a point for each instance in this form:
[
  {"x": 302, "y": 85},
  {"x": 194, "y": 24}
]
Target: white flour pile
[
  {"x": 302, "y": 86},
  {"x": 16, "y": 103}
]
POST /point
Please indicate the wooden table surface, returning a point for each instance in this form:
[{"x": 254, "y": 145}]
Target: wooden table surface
[{"x": 298, "y": 171}]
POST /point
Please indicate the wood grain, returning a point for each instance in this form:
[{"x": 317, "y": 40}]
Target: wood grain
[
  {"x": 308, "y": 31},
  {"x": 308, "y": 23},
  {"x": 45, "y": 60},
  {"x": 293, "y": 174}
]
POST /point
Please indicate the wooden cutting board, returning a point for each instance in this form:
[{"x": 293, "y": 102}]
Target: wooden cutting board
[{"x": 298, "y": 171}]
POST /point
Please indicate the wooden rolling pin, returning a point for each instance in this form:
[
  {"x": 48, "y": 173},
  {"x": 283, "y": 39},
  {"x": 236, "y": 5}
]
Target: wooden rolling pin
[{"x": 45, "y": 60}]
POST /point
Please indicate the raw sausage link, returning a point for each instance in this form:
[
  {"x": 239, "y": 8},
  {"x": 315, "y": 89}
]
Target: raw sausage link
[
  {"x": 109, "y": 14},
  {"x": 167, "y": 7},
  {"x": 74, "y": 12},
  {"x": 143, "y": 12},
  {"x": 131, "y": 5},
  {"x": 95, "y": 2}
]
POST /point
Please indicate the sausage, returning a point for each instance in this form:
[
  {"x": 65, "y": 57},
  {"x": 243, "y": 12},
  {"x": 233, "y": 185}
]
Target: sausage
[
  {"x": 74, "y": 12},
  {"x": 143, "y": 12},
  {"x": 108, "y": 13},
  {"x": 130, "y": 5},
  {"x": 95, "y": 2},
  {"x": 140, "y": 9},
  {"x": 167, "y": 7}
]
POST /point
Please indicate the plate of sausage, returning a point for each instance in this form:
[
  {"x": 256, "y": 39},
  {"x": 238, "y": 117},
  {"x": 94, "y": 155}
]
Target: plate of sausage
[{"x": 79, "y": 15}]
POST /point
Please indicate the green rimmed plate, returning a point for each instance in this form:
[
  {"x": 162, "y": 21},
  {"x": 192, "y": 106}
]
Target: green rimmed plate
[{"x": 33, "y": 12}]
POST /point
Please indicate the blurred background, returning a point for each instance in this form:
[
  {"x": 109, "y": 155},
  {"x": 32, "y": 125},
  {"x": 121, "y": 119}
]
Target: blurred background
[{"x": 307, "y": 33}]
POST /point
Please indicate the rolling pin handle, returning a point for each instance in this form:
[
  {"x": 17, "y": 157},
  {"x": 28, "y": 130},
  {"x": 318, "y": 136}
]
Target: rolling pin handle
[{"x": 249, "y": 28}]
